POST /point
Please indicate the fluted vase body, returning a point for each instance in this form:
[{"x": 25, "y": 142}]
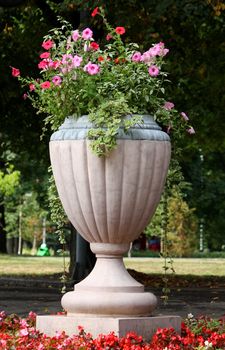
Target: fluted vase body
[{"x": 109, "y": 200}]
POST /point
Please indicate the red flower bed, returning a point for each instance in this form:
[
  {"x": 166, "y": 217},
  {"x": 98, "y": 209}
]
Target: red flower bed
[{"x": 199, "y": 334}]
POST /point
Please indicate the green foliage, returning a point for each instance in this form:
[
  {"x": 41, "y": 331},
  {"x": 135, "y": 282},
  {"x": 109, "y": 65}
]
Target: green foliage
[
  {"x": 9, "y": 181},
  {"x": 28, "y": 208},
  {"x": 110, "y": 113},
  {"x": 115, "y": 82},
  {"x": 181, "y": 225},
  {"x": 58, "y": 215}
]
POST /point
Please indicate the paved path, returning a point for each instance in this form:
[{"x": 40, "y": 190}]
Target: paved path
[{"x": 20, "y": 297}]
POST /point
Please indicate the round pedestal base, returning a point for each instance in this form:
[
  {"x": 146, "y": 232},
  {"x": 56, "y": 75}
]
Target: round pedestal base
[
  {"x": 109, "y": 304},
  {"x": 109, "y": 290}
]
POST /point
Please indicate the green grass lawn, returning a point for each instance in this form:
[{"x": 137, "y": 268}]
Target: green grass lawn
[
  {"x": 182, "y": 266},
  {"x": 28, "y": 265}
]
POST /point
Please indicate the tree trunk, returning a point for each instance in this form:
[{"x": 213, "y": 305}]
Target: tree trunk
[
  {"x": 2, "y": 230},
  {"x": 82, "y": 260}
]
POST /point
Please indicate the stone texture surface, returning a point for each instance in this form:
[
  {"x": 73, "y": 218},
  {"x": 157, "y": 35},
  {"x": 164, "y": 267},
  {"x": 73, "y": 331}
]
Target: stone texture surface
[
  {"x": 110, "y": 199},
  {"x": 144, "y": 326}
]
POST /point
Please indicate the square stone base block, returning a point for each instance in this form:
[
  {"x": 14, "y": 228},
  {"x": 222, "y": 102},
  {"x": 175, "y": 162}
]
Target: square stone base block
[{"x": 144, "y": 326}]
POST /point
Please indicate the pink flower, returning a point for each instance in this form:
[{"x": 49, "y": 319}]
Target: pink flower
[
  {"x": 54, "y": 64},
  {"x": 57, "y": 80},
  {"x": 75, "y": 35},
  {"x": 24, "y": 332},
  {"x": 45, "y": 85},
  {"x": 43, "y": 64},
  {"x": 168, "y": 105},
  {"x": 155, "y": 50},
  {"x": 153, "y": 70},
  {"x": 25, "y": 96},
  {"x": 77, "y": 60},
  {"x": 67, "y": 59},
  {"x": 120, "y": 30},
  {"x": 47, "y": 44},
  {"x": 158, "y": 50},
  {"x": 15, "y": 72},
  {"x": 136, "y": 57},
  {"x": 45, "y": 55},
  {"x": 32, "y": 315},
  {"x": 23, "y": 323},
  {"x": 147, "y": 57},
  {"x": 184, "y": 115},
  {"x": 31, "y": 87},
  {"x": 191, "y": 130},
  {"x": 108, "y": 37},
  {"x": 87, "y": 34},
  {"x": 91, "y": 68},
  {"x": 165, "y": 52}
]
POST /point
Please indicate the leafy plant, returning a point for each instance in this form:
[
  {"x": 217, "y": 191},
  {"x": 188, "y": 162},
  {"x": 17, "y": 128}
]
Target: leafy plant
[{"x": 110, "y": 83}]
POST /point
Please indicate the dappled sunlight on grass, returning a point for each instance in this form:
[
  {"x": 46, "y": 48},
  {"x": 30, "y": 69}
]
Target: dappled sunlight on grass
[
  {"x": 30, "y": 265},
  {"x": 33, "y": 265},
  {"x": 182, "y": 266}
]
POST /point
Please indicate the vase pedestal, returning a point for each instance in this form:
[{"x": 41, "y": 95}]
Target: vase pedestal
[
  {"x": 144, "y": 326},
  {"x": 108, "y": 300},
  {"x": 109, "y": 290}
]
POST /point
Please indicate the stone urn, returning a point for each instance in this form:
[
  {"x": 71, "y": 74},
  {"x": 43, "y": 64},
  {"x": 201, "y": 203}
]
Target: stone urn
[{"x": 110, "y": 200}]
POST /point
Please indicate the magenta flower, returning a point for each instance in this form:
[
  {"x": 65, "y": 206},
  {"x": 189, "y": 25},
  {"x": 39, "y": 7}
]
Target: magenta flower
[
  {"x": 136, "y": 57},
  {"x": 168, "y": 105},
  {"x": 15, "y": 72},
  {"x": 184, "y": 115},
  {"x": 153, "y": 70},
  {"x": 57, "y": 80},
  {"x": 47, "y": 44},
  {"x": 77, "y": 60},
  {"x": 91, "y": 68},
  {"x": 75, "y": 35},
  {"x": 191, "y": 130},
  {"x": 108, "y": 37},
  {"x": 45, "y": 85},
  {"x": 87, "y": 34},
  {"x": 31, "y": 87},
  {"x": 45, "y": 55},
  {"x": 43, "y": 64}
]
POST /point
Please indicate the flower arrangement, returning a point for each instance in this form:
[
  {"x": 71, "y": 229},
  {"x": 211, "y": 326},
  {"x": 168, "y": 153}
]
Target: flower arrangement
[
  {"x": 78, "y": 76},
  {"x": 196, "y": 334}
]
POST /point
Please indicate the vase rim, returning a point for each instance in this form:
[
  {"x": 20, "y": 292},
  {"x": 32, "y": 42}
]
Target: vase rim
[{"x": 77, "y": 129}]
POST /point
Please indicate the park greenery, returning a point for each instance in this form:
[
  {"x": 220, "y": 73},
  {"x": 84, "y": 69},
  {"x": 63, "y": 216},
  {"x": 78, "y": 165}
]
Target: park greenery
[{"x": 194, "y": 33}]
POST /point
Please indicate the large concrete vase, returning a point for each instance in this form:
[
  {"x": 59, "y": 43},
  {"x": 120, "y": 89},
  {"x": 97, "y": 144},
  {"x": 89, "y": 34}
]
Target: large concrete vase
[{"x": 110, "y": 200}]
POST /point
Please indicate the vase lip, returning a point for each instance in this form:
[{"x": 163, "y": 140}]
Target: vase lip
[{"x": 77, "y": 129}]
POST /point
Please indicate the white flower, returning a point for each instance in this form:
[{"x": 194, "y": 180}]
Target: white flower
[{"x": 207, "y": 344}]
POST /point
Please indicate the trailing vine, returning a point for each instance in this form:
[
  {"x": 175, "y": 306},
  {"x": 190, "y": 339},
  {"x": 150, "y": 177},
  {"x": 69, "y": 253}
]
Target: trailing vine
[
  {"x": 110, "y": 113},
  {"x": 58, "y": 216},
  {"x": 168, "y": 261}
]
